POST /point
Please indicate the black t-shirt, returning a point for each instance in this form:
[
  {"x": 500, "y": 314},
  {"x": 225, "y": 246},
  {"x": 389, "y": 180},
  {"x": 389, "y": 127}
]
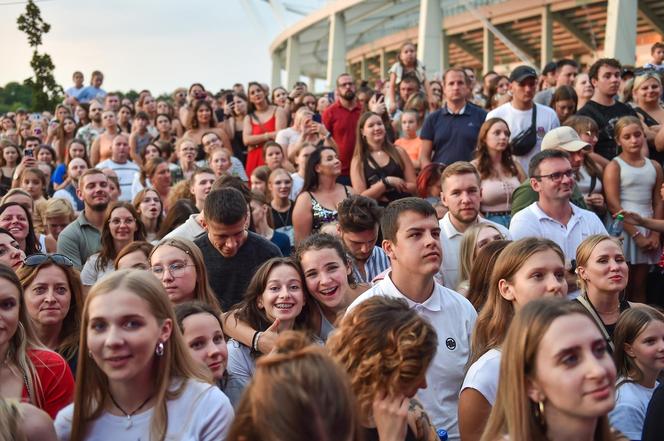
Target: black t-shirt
[
  {"x": 606, "y": 118},
  {"x": 229, "y": 277}
]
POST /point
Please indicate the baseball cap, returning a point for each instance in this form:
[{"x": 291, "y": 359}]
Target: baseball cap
[
  {"x": 565, "y": 138},
  {"x": 521, "y": 73}
]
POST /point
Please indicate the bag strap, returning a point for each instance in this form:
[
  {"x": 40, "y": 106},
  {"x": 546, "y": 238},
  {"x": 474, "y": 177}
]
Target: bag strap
[
  {"x": 378, "y": 168},
  {"x": 593, "y": 183},
  {"x": 533, "y": 123},
  {"x": 591, "y": 309}
]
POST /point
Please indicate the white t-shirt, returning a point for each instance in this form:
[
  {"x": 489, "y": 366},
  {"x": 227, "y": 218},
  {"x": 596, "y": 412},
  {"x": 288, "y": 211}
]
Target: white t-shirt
[
  {"x": 483, "y": 375},
  {"x": 90, "y": 274},
  {"x": 298, "y": 183},
  {"x": 453, "y": 318},
  {"x": 520, "y": 120},
  {"x": 631, "y": 405},
  {"x": 287, "y": 137},
  {"x": 125, "y": 172},
  {"x": 241, "y": 368},
  {"x": 450, "y": 239},
  {"x": 201, "y": 413}
]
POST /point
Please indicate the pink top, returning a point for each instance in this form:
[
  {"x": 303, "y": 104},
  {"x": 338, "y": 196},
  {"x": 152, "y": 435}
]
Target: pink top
[{"x": 497, "y": 194}]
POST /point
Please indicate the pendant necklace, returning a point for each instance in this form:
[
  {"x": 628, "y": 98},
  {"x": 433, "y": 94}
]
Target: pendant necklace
[{"x": 129, "y": 414}]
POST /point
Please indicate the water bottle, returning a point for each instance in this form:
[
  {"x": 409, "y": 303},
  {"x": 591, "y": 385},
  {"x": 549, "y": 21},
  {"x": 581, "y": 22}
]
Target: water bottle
[
  {"x": 616, "y": 228},
  {"x": 442, "y": 434}
]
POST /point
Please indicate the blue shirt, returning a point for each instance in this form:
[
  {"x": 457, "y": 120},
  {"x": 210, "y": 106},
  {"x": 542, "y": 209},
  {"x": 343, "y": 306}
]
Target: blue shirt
[
  {"x": 90, "y": 93},
  {"x": 375, "y": 264},
  {"x": 454, "y": 135}
]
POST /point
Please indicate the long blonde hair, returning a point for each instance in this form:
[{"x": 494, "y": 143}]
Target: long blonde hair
[
  {"x": 514, "y": 413},
  {"x": 176, "y": 363},
  {"x": 497, "y": 313},
  {"x": 467, "y": 252}
]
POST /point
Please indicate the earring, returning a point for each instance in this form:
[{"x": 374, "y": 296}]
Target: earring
[
  {"x": 90, "y": 354},
  {"x": 539, "y": 413},
  {"x": 160, "y": 349}
]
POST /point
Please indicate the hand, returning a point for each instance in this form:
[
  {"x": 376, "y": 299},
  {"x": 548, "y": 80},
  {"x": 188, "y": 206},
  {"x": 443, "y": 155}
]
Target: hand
[
  {"x": 653, "y": 238},
  {"x": 396, "y": 182},
  {"x": 268, "y": 338},
  {"x": 391, "y": 417},
  {"x": 377, "y": 106},
  {"x": 228, "y": 108},
  {"x": 631, "y": 217},
  {"x": 595, "y": 199},
  {"x": 643, "y": 242}
]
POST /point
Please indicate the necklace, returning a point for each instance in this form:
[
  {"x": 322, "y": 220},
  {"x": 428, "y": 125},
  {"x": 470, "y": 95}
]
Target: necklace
[{"x": 130, "y": 414}]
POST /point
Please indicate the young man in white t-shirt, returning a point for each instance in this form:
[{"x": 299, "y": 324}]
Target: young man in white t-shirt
[
  {"x": 411, "y": 239},
  {"x": 518, "y": 112}
]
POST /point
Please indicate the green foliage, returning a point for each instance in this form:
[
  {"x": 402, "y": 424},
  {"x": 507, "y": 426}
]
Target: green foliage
[
  {"x": 46, "y": 92},
  {"x": 15, "y": 95}
]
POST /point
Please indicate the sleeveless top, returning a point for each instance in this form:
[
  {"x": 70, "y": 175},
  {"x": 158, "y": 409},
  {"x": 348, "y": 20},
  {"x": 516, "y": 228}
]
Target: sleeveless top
[
  {"x": 373, "y": 175},
  {"x": 497, "y": 194},
  {"x": 5, "y": 183},
  {"x": 321, "y": 215},
  {"x": 371, "y": 434},
  {"x": 649, "y": 121},
  {"x": 239, "y": 149}
]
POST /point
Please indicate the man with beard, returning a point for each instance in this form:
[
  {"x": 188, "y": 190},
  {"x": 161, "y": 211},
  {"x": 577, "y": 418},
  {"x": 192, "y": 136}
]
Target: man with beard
[
  {"x": 81, "y": 238},
  {"x": 358, "y": 224},
  {"x": 94, "y": 128},
  {"x": 461, "y": 194},
  {"x": 340, "y": 119}
]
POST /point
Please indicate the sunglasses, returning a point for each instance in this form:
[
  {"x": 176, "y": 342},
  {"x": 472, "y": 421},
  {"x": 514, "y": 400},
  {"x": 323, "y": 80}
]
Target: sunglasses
[{"x": 38, "y": 259}]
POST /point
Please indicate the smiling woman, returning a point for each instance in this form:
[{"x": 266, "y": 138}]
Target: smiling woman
[
  {"x": 139, "y": 380},
  {"x": 122, "y": 225},
  {"x": 53, "y": 299}
]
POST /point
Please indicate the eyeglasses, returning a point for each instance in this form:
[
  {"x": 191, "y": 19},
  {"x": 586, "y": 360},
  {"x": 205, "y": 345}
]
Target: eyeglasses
[
  {"x": 557, "y": 176},
  {"x": 38, "y": 259},
  {"x": 175, "y": 269}
]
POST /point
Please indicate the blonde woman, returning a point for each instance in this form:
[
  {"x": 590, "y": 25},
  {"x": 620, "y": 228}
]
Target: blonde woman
[
  {"x": 474, "y": 239},
  {"x": 138, "y": 380},
  {"x": 526, "y": 270},
  {"x": 556, "y": 378}
]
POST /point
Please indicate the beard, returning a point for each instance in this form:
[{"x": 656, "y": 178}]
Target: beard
[
  {"x": 98, "y": 207},
  {"x": 349, "y": 95}
]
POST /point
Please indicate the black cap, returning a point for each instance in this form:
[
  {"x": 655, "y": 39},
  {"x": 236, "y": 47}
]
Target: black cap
[
  {"x": 521, "y": 73},
  {"x": 549, "y": 67}
]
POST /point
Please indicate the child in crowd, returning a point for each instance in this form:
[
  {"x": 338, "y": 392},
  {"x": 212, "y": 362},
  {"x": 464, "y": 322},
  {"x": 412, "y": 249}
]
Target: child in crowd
[
  {"x": 407, "y": 63},
  {"x": 410, "y": 140}
]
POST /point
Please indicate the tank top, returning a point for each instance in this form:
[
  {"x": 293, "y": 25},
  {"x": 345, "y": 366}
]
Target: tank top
[
  {"x": 325, "y": 326},
  {"x": 321, "y": 215},
  {"x": 375, "y": 174}
]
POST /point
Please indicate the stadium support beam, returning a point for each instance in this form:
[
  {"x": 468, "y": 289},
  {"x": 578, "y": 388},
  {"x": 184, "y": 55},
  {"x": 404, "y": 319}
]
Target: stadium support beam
[
  {"x": 364, "y": 68},
  {"x": 574, "y": 31},
  {"x": 487, "y": 50},
  {"x": 651, "y": 18},
  {"x": 277, "y": 65},
  {"x": 458, "y": 42},
  {"x": 292, "y": 61},
  {"x": 336, "y": 51},
  {"x": 382, "y": 62},
  {"x": 430, "y": 35},
  {"x": 620, "y": 39},
  {"x": 546, "y": 50}
]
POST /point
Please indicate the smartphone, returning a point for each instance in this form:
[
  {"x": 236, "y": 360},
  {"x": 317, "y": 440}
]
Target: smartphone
[
  {"x": 378, "y": 96},
  {"x": 28, "y": 153},
  {"x": 229, "y": 99},
  {"x": 200, "y": 95}
]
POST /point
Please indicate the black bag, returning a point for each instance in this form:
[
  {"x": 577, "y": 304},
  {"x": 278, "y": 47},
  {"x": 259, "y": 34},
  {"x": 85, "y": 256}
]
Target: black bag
[{"x": 525, "y": 141}]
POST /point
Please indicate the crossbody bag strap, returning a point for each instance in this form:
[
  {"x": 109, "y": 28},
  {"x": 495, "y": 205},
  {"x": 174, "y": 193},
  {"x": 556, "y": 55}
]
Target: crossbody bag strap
[{"x": 591, "y": 309}]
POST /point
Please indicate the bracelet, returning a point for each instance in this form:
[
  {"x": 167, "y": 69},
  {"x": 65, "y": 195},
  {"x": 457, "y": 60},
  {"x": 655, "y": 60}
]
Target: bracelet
[
  {"x": 254, "y": 341},
  {"x": 637, "y": 234},
  {"x": 385, "y": 183}
]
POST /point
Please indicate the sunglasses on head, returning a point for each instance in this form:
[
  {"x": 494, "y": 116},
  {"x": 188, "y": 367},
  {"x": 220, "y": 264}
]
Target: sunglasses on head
[{"x": 38, "y": 259}]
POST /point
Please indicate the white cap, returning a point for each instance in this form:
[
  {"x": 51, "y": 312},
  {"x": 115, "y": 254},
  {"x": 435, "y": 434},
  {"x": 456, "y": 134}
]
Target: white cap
[{"x": 565, "y": 138}]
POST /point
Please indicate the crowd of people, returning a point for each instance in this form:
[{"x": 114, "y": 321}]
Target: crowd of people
[{"x": 432, "y": 258}]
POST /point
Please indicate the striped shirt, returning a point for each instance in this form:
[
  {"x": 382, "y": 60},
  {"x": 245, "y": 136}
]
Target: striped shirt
[{"x": 375, "y": 264}]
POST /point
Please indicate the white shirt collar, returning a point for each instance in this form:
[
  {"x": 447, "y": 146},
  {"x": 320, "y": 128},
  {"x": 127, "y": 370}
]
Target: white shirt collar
[{"x": 433, "y": 303}]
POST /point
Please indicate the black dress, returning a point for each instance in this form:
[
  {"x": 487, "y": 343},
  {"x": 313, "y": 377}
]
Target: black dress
[{"x": 650, "y": 121}]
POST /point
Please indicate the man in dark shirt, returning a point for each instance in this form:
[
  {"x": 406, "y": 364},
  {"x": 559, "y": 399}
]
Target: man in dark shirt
[
  {"x": 450, "y": 134},
  {"x": 603, "y": 107},
  {"x": 231, "y": 252}
]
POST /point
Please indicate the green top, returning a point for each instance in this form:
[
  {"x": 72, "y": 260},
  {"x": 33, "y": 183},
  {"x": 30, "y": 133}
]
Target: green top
[{"x": 524, "y": 196}]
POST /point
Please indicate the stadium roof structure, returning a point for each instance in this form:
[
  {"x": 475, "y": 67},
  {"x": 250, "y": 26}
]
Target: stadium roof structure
[{"x": 364, "y": 34}]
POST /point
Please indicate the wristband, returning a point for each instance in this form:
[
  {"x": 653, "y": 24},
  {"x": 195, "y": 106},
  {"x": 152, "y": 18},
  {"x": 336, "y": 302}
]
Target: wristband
[
  {"x": 637, "y": 234},
  {"x": 254, "y": 341}
]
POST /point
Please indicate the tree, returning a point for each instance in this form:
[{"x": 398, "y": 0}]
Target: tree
[{"x": 46, "y": 93}]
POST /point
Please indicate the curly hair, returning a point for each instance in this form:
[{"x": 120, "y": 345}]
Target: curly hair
[{"x": 384, "y": 346}]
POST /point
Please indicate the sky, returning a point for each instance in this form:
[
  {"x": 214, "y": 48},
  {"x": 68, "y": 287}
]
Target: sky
[{"x": 149, "y": 44}]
